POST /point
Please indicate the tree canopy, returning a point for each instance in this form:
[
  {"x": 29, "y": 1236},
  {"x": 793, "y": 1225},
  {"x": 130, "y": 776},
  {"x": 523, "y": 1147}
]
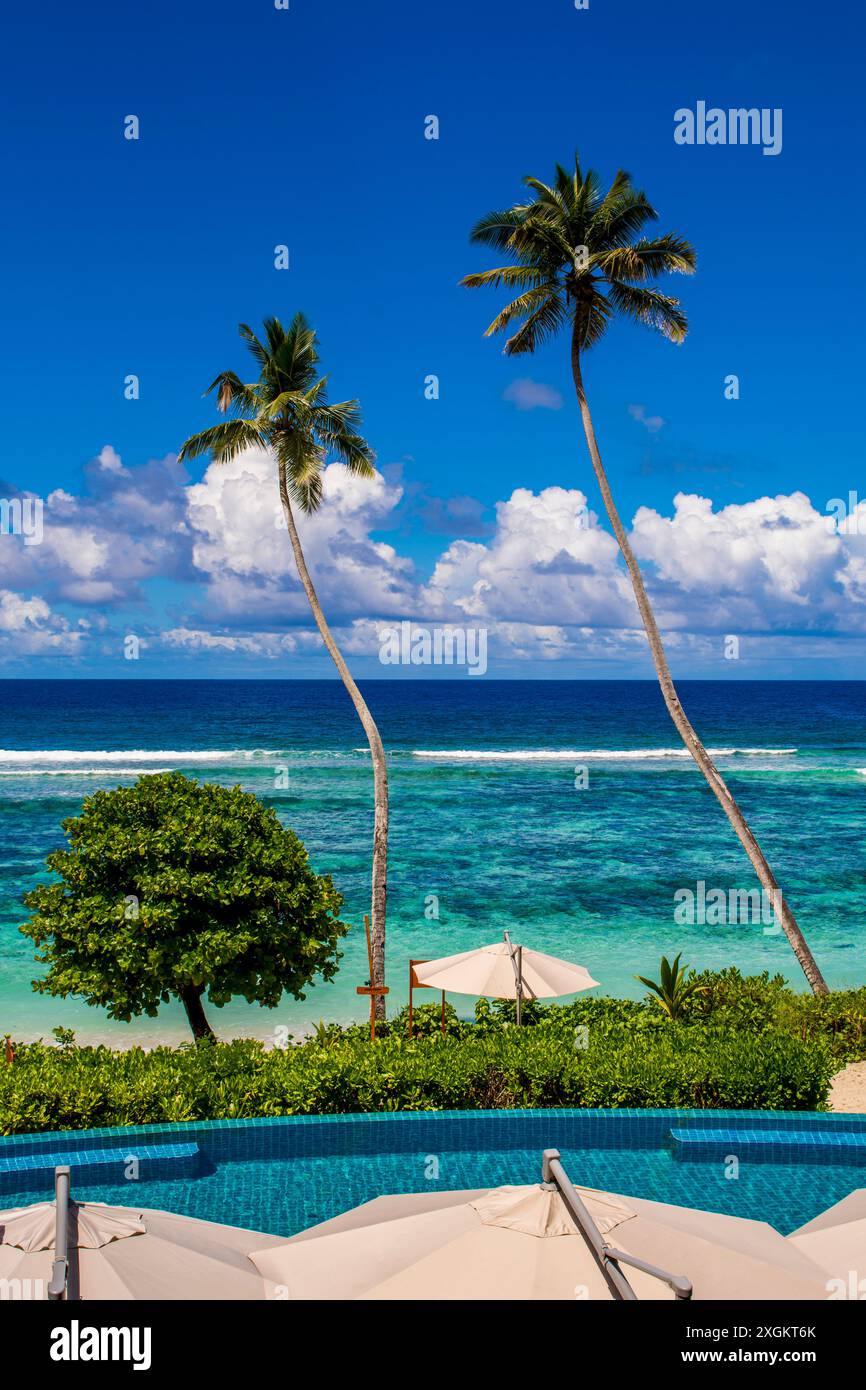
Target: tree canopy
[
  {"x": 171, "y": 888},
  {"x": 577, "y": 260},
  {"x": 285, "y": 410}
]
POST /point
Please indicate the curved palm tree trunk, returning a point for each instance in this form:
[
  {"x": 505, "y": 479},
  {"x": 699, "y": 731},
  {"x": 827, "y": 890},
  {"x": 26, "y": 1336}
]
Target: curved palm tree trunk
[
  {"x": 380, "y": 768},
  {"x": 714, "y": 778}
]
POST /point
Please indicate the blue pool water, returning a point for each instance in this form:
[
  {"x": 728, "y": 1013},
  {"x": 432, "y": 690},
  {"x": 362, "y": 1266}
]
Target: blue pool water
[{"x": 282, "y": 1175}]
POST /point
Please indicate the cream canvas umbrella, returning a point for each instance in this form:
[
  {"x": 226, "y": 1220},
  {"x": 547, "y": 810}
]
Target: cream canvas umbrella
[
  {"x": 129, "y": 1253},
  {"x": 520, "y": 1243},
  {"x": 836, "y": 1240},
  {"x": 851, "y": 1208},
  {"x": 504, "y": 971}
]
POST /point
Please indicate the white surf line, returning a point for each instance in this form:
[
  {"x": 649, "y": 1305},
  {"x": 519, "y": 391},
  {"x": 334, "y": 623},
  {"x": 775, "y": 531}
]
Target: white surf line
[
  {"x": 587, "y": 754},
  {"x": 133, "y": 755},
  {"x": 105, "y": 771}
]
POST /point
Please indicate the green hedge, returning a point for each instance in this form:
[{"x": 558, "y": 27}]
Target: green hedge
[
  {"x": 746, "y": 1042},
  {"x": 655, "y": 1064},
  {"x": 755, "y": 1002}
]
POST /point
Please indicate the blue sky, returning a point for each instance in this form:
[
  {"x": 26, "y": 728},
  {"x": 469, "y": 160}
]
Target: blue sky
[{"x": 306, "y": 127}]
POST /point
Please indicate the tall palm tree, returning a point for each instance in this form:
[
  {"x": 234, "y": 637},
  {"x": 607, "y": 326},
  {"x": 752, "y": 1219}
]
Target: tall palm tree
[
  {"x": 576, "y": 262},
  {"x": 286, "y": 412}
]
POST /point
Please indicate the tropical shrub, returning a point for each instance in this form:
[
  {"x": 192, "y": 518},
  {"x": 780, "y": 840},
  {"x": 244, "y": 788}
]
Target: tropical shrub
[
  {"x": 676, "y": 1065},
  {"x": 674, "y": 988},
  {"x": 170, "y": 888}
]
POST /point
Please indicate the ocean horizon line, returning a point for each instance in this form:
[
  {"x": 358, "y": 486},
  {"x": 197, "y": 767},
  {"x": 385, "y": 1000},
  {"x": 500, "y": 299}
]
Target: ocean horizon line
[{"x": 427, "y": 680}]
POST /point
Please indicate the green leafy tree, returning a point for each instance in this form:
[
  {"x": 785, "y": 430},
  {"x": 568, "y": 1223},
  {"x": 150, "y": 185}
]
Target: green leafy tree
[
  {"x": 286, "y": 412},
  {"x": 674, "y": 987},
  {"x": 171, "y": 889},
  {"x": 578, "y": 261}
]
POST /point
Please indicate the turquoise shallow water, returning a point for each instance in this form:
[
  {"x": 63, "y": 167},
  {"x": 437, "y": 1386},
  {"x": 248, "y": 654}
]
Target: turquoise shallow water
[{"x": 489, "y": 829}]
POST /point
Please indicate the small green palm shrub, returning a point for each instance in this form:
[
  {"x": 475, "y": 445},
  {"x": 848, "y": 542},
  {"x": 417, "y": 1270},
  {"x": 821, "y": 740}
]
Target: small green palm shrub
[{"x": 675, "y": 987}]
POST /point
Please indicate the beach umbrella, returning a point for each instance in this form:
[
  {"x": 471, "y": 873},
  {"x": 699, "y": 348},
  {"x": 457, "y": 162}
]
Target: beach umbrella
[
  {"x": 836, "y": 1240},
  {"x": 520, "y": 1243},
  {"x": 851, "y": 1208},
  {"x": 127, "y": 1253},
  {"x": 504, "y": 971}
]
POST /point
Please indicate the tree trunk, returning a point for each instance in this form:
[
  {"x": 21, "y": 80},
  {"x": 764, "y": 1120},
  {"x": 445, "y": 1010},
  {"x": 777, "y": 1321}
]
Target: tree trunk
[
  {"x": 714, "y": 778},
  {"x": 190, "y": 997},
  {"x": 380, "y": 767}
]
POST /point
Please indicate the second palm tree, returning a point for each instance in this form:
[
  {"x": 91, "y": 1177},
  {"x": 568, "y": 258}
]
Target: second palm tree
[
  {"x": 577, "y": 261},
  {"x": 286, "y": 412}
]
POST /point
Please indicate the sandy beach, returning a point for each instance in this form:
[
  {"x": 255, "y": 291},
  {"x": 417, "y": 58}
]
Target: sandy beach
[{"x": 848, "y": 1089}]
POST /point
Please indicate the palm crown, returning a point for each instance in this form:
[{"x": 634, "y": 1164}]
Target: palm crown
[
  {"x": 286, "y": 411},
  {"x": 577, "y": 262}
]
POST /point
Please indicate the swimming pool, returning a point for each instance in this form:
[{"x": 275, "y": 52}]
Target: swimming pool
[{"x": 284, "y": 1174}]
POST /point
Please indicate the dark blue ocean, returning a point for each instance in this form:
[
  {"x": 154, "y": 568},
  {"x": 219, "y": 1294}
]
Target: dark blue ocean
[{"x": 563, "y": 811}]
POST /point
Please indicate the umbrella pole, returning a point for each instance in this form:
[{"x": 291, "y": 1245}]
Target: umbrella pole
[
  {"x": 60, "y": 1271},
  {"x": 411, "y": 1001},
  {"x": 608, "y": 1259},
  {"x": 517, "y": 966},
  {"x": 519, "y": 985}
]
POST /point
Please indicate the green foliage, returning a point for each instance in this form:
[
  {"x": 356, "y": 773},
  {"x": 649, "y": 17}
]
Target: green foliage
[
  {"x": 496, "y": 1012},
  {"x": 426, "y": 1022},
  {"x": 741, "y": 1001},
  {"x": 840, "y": 1017},
  {"x": 577, "y": 261},
  {"x": 674, "y": 988},
  {"x": 744, "y": 1042},
  {"x": 169, "y": 888},
  {"x": 755, "y": 1002},
  {"x": 285, "y": 410},
  {"x": 676, "y": 1065}
]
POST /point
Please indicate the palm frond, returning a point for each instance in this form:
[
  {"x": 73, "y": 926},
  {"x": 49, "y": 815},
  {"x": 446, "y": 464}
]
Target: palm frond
[
  {"x": 303, "y": 462},
  {"x": 510, "y": 275},
  {"x": 495, "y": 228},
  {"x": 547, "y": 196},
  {"x": 567, "y": 187},
  {"x": 523, "y": 306},
  {"x": 307, "y": 492},
  {"x": 619, "y": 188},
  {"x": 283, "y": 402},
  {"x": 592, "y": 320},
  {"x": 615, "y": 224},
  {"x": 538, "y": 326},
  {"x": 275, "y": 334},
  {"x": 226, "y": 440},
  {"x": 234, "y": 394},
  {"x": 341, "y": 416},
  {"x": 336, "y": 427},
  {"x": 259, "y": 352},
  {"x": 644, "y": 259},
  {"x": 352, "y": 450},
  {"x": 651, "y": 308}
]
